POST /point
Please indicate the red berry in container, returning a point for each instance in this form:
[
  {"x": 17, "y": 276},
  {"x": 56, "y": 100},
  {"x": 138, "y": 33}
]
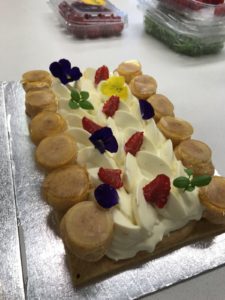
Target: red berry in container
[{"x": 219, "y": 10}]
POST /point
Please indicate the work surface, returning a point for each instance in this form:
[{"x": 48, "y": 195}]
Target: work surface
[{"x": 31, "y": 38}]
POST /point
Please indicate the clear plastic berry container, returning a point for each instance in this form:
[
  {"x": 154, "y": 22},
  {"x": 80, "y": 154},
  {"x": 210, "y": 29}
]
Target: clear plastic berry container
[
  {"x": 90, "y": 21},
  {"x": 187, "y": 26}
]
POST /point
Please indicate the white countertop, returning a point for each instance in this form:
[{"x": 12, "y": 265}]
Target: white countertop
[{"x": 31, "y": 38}]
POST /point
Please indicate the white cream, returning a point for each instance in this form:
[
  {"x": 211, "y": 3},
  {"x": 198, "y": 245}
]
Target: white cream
[{"x": 138, "y": 225}]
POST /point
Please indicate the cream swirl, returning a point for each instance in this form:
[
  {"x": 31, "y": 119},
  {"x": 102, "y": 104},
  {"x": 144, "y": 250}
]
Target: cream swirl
[{"x": 138, "y": 225}]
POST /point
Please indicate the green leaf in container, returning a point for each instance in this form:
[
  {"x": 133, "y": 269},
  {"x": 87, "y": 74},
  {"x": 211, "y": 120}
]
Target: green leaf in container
[
  {"x": 201, "y": 180},
  {"x": 84, "y": 95},
  {"x": 86, "y": 105},
  {"x": 181, "y": 182},
  {"x": 73, "y": 104},
  {"x": 75, "y": 95}
]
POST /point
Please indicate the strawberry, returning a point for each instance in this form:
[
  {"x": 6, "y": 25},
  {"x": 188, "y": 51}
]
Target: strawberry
[
  {"x": 134, "y": 143},
  {"x": 111, "y": 177},
  {"x": 89, "y": 125},
  {"x": 111, "y": 106},
  {"x": 157, "y": 191},
  {"x": 102, "y": 73},
  {"x": 219, "y": 10}
]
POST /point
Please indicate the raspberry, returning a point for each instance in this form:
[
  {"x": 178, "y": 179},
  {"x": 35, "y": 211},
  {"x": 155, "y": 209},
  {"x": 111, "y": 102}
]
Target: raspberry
[
  {"x": 158, "y": 190},
  {"x": 111, "y": 106},
  {"x": 134, "y": 143},
  {"x": 219, "y": 10},
  {"x": 111, "y": 177},
  {"x": 101, "y": 74},
  {"x": 89, "y": 125}
]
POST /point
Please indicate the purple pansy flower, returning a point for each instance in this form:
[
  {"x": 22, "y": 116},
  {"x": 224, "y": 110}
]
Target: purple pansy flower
[
  {"x": 103, "y": 139},
  {"x": 106, "y": 195},
  {"x": 62, "y": 70},
  {"x": 147, "y": 111}
]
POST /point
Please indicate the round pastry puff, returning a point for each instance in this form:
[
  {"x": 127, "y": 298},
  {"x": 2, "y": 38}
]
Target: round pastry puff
[
  {"x": 143, "y": 86},
  {"x": 36, "y": 79},
  {"x": 87, "y": 230},
  {"x": 212, "y": 198},
  {"x": 195, "y": 155},
  {"x": 45, "y": 124},
  {"x": 64, "y": 187},
  {"x": 129, "y": 69},
  {"x": 56, "y": 151},
  {"x": 175, "y": 129},
  {"x": 162, "y": 106},
  {"x": 37, "y": 101}
]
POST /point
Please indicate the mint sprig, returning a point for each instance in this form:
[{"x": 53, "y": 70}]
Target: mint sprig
[
  {"x": 189, "y": 183},
  {"x": 80, "y": 100}
]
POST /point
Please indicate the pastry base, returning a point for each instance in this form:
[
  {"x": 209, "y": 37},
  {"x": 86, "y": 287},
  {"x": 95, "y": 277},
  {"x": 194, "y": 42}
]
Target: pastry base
[{"x": 83, "y": 272}]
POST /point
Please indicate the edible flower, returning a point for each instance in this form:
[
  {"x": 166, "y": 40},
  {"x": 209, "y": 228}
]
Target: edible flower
[
  {"x": 106, "y": 195},
  {"x": 147, "y": 111},
  {"x": 189, "y": 183},
  {"x": 62, "y": 70},
  {"x": 115, "y": 86},
  {"x": 157, "y": 191},
  {"x": 80, "y": 99},
  {"x": 103, "y": 139}
]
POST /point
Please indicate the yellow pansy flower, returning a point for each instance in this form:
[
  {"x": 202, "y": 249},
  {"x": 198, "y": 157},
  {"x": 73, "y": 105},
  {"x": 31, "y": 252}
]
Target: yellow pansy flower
[{"x": 115, "y": 86}]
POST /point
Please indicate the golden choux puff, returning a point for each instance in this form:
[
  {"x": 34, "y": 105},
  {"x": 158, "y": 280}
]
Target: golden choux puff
[
  {"x": 37, "y": 101},
  {"x": 87, "y": 230},
  {"x": 56, "y": 151},
  {"x": 175, "y": 129},
  {"x": 143, "y": 86},
  {"x": 162, "y": 106},
  {"x": 212, "y": 198},
  {"x": 129, "y": 69},
  {"x": 64, "y": 187},
  {"x": 45, "y": 124},
  {"x": 195, "y": 155}
]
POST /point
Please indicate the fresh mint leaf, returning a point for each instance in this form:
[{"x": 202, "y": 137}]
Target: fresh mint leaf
[
  {"x": 75, "y": 96},
  {"x": 189, "y": 172},
  {"x": 73, "y": 104},
  {"x": 84, "y": 95},
  {"x": 201, "y": 180},
  {"x": 181, "y": 182},
  {"x": 86, "y": 105},
  {"x": 190, "y": 188}
]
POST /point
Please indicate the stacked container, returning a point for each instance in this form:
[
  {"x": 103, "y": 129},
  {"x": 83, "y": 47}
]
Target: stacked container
[{"x": 187, "y": 26}]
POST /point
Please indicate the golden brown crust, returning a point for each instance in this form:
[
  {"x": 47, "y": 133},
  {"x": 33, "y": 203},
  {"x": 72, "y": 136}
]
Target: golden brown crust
[
  {"x": 195, "y": 155},
  {"x": 175, "y": 129},
  {"x": 143, "y": 86},
  {"x": 38, "y": 101},
  {"x": 129, "y": 70},
  {"x": 56, "y": 151},
  {"x": 87, "y": 230},
  {"x": 162, "y": 106},
  {"x": 64, "y": 187},
  {"x": 212, "y": 197},
  {"x": 45, "y": 124},
  {"x": 36, "y": 79}
]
